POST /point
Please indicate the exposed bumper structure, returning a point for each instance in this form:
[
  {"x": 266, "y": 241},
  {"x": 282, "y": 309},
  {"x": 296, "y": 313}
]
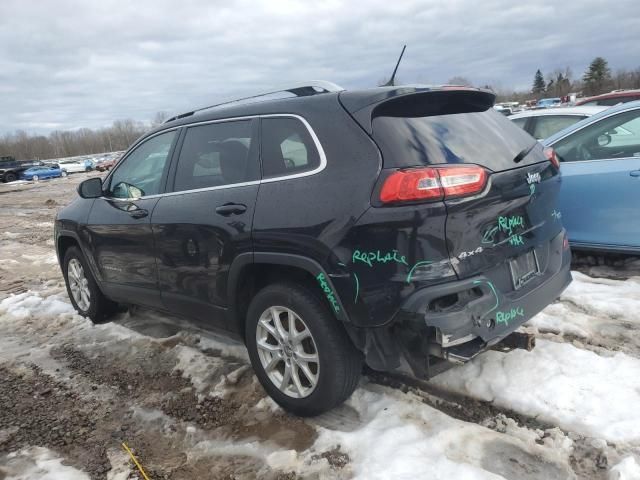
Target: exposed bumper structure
[{"x": 458, "y": 320}]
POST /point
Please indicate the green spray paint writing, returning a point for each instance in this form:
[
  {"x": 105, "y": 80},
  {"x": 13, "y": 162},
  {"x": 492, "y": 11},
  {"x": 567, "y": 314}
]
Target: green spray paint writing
[
  {"x": 324, "y": 285},
  {"x": 516, "y": 240},
  {"x": 508, "y": 315},
  {"x": 508, "y": 224},
  {"x": 369, "y": 258}
]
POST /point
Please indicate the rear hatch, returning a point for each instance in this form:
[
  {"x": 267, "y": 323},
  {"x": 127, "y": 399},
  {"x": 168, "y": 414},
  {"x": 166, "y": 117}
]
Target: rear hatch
[{"x": 506, "y": 224}]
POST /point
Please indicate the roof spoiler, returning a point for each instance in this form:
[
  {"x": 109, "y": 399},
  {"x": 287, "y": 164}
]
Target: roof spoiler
[{"x": 414, "y": 101}]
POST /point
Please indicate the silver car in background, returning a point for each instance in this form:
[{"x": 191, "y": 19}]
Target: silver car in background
[{"x": 545, "y": 122}]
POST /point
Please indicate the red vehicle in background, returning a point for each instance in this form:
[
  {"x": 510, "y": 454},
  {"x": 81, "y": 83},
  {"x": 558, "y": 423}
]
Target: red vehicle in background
[
  {"x": 106, "y": 165},
  {"x": 611, "y": 98}
]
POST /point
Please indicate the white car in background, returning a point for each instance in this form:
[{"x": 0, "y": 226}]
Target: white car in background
[
  {"x": 545, "y": 122},
  {"x": 77, "y": 166}
]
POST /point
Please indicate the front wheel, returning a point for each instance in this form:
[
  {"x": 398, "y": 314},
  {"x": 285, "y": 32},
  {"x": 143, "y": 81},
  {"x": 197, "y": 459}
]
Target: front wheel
[
  {"x": 83, "y": 290},
  {"x": 63, "y": 173},
  {"x": 35, "y": 178},
  {"x": 299, "y": 350}
]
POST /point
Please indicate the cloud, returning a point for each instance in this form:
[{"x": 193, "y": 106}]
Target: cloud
[{"x": 70, "y": 64}]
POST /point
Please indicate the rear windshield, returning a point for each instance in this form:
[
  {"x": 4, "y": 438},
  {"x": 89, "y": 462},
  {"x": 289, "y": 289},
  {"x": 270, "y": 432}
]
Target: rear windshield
[{"x": 485, "y": 138}]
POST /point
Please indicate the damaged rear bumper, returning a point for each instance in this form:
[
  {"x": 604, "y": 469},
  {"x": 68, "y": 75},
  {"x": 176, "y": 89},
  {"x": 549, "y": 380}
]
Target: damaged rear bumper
[{"x": 458, "y": 320}]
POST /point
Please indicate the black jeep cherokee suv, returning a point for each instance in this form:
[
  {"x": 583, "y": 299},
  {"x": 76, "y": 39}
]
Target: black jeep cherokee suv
[{"x": 396, "y": 226}]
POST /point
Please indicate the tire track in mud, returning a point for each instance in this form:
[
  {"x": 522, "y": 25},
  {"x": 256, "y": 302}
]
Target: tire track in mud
[
  {"x": 590, "y": 459},
  {"x": 150, "y": 380}
]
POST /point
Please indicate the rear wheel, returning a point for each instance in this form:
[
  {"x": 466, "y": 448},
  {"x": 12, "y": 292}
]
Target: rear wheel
[
  {"x": 10, "y": 177},
  {"x": 63, "y": 173},
  {"x": 300, "y": 353},
  {"x": 83, "y": 290},
  {"x": 35, "y": 178}
]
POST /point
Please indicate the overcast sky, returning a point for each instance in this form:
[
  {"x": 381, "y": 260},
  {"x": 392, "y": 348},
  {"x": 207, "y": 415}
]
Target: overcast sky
[{"x": 66, "y": 65}]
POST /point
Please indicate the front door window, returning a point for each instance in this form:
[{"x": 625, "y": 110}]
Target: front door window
[{"x": 140, "y": 173}]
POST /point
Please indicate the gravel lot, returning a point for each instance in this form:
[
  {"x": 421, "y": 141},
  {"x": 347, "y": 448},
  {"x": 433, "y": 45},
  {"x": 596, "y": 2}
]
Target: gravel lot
[{"x": 189, "y": 406}]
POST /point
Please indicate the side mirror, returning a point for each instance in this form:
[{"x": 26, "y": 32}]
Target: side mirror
[
  {"x": 604, "y": 140},
  {"x": 90, "y": 188}
]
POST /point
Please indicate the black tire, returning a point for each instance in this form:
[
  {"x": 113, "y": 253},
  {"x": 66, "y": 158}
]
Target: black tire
[
  {"x": 10, "y": 177},
  {"x": 340, "y": 363},
  {"x": 100, "y": 307}
]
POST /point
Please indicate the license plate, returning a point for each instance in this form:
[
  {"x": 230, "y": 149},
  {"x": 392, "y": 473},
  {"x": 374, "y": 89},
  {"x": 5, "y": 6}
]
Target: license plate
[{"x": 523, "y": 268}]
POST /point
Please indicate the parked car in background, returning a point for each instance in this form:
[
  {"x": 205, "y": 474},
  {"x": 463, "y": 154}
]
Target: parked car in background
[
  {"x": 43, "y": 172},
  {"x": 11, "y": 169},
  {"x": 506, "y": 111},
  {"x": 548, "y": 102},
  {"x": 76, "y": 166},
  {"x": 545, "y": 122},
  {"x": 105, "y": 165},
  {"x": 611, "y": 98},
  {"x": 600, "y": 195},
  {"x": 397, "y": 226}
]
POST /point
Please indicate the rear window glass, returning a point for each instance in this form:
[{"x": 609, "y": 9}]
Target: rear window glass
[
  {"x": 287, "y": 147},
  {"x": 485, "y": 138}
]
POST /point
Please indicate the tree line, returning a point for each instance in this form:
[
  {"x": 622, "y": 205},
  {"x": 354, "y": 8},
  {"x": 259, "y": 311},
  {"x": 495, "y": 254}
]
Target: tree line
[
  {"x": 597, "y": 78},
  {"x": 70, "y": 143}
]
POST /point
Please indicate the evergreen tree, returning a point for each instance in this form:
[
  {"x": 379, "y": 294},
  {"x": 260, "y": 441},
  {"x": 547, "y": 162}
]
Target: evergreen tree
[
  {"x": 597, "y": 78},
  {"x": 538, "y": 83}
]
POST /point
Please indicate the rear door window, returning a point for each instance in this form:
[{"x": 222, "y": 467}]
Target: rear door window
[
  {"x": 287, "y": 147},
  {"x": 547, "y": 125},
  {"x": 216, "y": 155}
]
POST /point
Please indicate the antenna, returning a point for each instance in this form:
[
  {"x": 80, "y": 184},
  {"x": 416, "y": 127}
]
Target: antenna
[{"x": 393, "y": 75}]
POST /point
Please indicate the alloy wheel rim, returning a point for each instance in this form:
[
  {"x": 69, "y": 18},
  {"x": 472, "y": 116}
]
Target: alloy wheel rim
[
  {"x": 78, "y": 284},
  {"x": 288, "y": 352}
]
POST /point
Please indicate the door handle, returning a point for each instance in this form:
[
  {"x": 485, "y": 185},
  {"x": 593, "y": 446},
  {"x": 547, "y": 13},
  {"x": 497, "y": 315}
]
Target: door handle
[
  {"x": 140, "y": 213},
  {"x": 231, "y": 209},
  {"x": 136, "y": 212},
  {"x": 635, "y": 173}
]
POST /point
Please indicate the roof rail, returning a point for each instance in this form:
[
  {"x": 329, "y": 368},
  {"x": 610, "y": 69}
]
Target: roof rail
[{"x": 304, "y": 89}]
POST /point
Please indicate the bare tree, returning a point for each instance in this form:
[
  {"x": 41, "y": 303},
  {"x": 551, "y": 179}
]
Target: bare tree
[
  {"x": 119, "y": 136},
  {"x": 159, "y": 119},
  {"x": 458, "y": 80}
]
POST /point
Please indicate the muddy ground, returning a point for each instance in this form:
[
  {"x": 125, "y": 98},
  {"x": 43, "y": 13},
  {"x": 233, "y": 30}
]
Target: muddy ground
[{"x": 184, "y": 400}]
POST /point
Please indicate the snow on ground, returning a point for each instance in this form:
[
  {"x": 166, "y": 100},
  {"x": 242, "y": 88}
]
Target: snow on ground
[
  {"x": 401, "y": 438},
  {"x": 558, "y": 383},
  {"x": 627, "y": 469},
  {"x": 38, "y": 463},
  {"x": 601, "y": 311}
]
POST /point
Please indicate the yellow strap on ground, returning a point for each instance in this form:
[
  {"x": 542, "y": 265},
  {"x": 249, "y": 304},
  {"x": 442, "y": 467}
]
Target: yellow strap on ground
[{"x": 124, "y": 445}]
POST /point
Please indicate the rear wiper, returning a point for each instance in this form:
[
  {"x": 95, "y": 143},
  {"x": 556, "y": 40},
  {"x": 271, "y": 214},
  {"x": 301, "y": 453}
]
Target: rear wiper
[{"x": 518, "y": 158}]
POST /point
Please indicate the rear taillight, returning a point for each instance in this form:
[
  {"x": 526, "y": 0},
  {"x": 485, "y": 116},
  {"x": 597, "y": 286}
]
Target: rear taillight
[
  {"x": 408, "y": 185},
  {"x": 462, "y": 181},
  {"x": 550, "y": 153},
  {"x": 433, "y": 183}
]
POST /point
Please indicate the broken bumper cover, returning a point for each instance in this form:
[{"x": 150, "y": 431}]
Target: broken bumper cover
[{"x": 478, "y": 313}]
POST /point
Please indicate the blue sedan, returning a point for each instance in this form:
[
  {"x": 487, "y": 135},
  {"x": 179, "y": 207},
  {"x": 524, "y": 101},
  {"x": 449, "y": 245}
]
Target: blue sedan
[
  {"x": 40, "y": 173},
  {"x": 600, "y": 195}
]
